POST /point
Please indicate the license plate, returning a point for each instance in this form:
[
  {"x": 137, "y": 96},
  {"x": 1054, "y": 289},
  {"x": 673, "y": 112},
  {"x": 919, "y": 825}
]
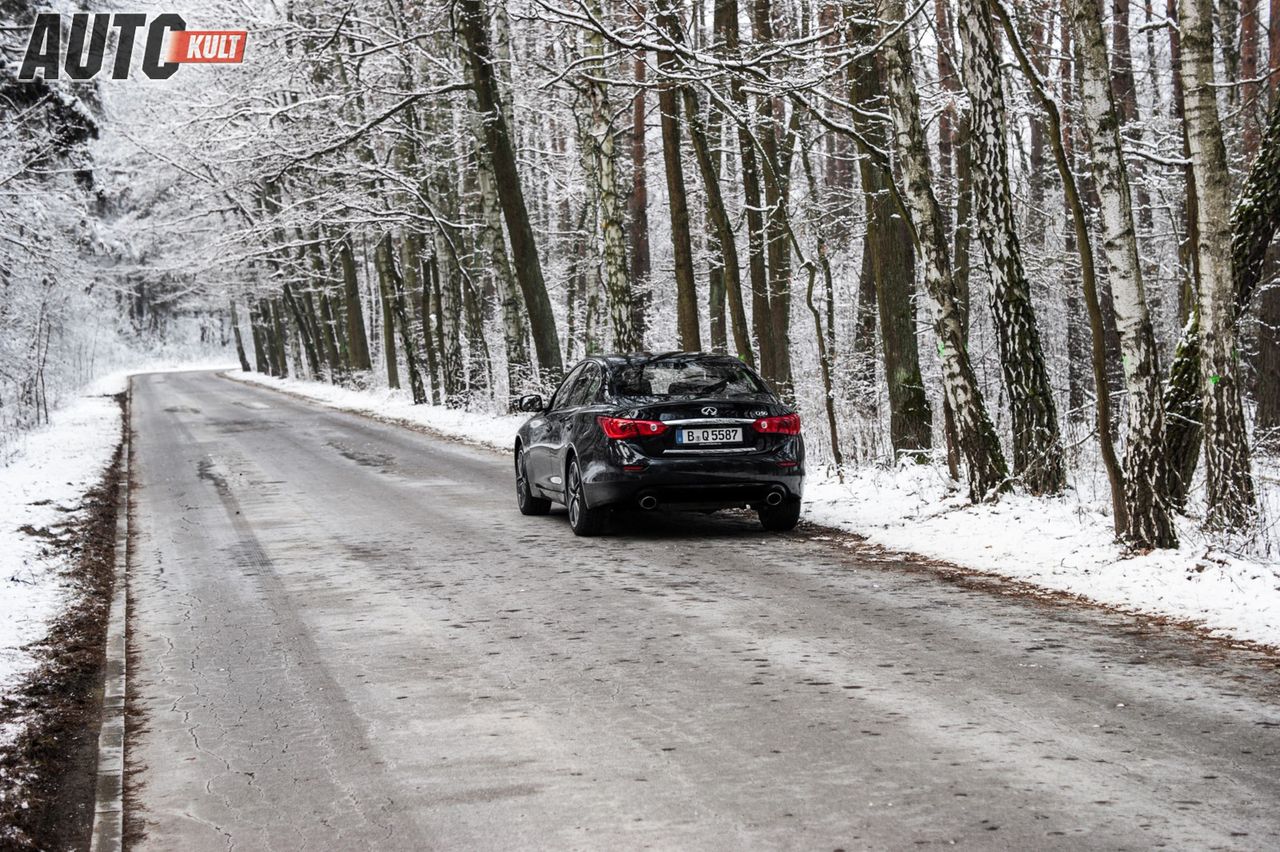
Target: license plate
[{"x": 709, "y": 436}]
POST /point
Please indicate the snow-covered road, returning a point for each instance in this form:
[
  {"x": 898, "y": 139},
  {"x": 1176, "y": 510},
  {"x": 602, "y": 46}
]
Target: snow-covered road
[{"x": 347, "y": 637}]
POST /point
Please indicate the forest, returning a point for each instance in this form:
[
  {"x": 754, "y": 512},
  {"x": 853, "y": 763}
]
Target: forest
[{"x": 1025, "y": 242}]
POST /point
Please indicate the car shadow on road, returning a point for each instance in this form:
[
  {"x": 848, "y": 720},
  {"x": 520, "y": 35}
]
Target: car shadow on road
[{"x": 661, "y": 525}]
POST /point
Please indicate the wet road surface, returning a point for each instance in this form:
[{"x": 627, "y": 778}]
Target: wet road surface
[{"x": 345, "y": 636}]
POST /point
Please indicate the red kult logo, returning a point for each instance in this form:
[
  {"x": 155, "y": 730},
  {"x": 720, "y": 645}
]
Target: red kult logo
[{"x": 207, "y": 46}]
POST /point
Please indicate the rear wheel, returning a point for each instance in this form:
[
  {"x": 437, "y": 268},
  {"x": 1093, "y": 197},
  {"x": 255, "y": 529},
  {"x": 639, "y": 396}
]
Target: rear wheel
[
  {"x": 525, "y": 499},
  {"x": 583, "y": 520},
  {"x": 782, "y": 517}
]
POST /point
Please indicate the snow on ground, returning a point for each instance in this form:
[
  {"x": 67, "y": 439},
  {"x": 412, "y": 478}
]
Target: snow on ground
[
  {"x": 487, "y": 430},
  {"x": 57, "y": 465},
  {"x": 42, "y": 486},
  {"x": 1057, "y": 543},
  {"x": 1063, "y": 544}
]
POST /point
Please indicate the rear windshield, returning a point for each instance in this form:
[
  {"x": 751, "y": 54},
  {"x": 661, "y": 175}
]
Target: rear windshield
[{"x": 671, "y": 377}]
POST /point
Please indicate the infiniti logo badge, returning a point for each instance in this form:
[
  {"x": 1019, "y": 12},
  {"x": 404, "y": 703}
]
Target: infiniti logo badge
[{"x": 709, "y": 411}]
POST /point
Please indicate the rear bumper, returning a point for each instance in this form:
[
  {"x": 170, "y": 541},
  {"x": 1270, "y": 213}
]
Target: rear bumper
[{"x": 695, "y": 483}]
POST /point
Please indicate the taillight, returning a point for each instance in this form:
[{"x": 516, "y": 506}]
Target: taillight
[
  {"x": 619, "y": 428},
  {"x": 783, "y": 424}
]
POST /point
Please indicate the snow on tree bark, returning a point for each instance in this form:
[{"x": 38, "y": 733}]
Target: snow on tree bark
[
  {"x": 1037, "y": 446},
  {"x": 1230, "y": 498},
  {"x": 1150, "y": 517},
  {"x": 600, "y": 141},
  {"x": 987, "y": 471}
]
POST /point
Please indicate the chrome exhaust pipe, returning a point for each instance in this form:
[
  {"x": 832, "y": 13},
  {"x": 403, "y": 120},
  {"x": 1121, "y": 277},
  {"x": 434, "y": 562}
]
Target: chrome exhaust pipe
[
  {"x": 773, "y": 498},
  {"x": 648, "y": 502}
]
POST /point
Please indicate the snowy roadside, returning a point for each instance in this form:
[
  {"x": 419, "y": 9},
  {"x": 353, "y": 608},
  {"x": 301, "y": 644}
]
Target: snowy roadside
[
  {"x": 1059, "y": 544},
  {"x": 44, "y": 488},
  {"x": 42, "y": 494}
]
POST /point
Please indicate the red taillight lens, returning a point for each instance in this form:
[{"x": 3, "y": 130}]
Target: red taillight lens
[
  {"x": 619, "y": 428},
  {"x": 783, "y": 424}
]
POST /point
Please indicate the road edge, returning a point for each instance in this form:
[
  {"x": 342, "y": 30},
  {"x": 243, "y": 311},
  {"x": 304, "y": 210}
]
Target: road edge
[{"x": 108, "y": 814}]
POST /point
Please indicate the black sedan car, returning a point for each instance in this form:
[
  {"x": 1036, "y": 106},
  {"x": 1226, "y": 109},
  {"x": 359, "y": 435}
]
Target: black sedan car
[{"x": 679, "y": 431}]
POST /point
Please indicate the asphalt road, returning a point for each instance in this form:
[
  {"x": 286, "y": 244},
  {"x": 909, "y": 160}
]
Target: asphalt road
[{"x": 344, "y": 636}]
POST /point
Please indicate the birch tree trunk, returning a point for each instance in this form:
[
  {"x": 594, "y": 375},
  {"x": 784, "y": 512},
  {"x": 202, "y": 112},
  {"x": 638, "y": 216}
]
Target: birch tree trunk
[
  {"x": 1146, "y": 498},
  {"x": 1079, "y": 240},
  {"x": 1037, "y": 446},
  {"x": 987, "y": 471},
  {"x": 235, "y": 328},
  {"x": 1182, "y": 399},
  {"x": 601, "y": 138},
  {"x": 1231, "y": 503}
]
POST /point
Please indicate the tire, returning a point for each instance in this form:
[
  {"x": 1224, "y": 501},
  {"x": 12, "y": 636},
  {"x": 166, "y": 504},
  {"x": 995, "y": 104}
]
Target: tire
[
  {"x": 780, "y": 518},
  {"x": 528, "y": 503},
  {"x": 584, "y": 521}
]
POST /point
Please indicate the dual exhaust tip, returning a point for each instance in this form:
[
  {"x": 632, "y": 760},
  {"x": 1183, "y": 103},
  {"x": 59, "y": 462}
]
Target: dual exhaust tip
[{"x": 774, "y": 498}]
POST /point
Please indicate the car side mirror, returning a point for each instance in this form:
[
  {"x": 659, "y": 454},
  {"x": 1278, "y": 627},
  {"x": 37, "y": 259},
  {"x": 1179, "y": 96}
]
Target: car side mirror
[{"x": 531, "y": 402}]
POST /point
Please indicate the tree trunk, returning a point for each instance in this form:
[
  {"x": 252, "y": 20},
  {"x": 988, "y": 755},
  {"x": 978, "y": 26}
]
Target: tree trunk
[
  {"x": 728, "y": 243},
  {"x": 1150, "y": 522},
  {"x": 235, "y": 328},
  {"x": 431, "y": 327},
  {"x": 727, "y": 23},
  {"x": 1273, "y": 48},
  {"x": 260, "y": 362},
  {"x": 473, "y": 22},
  {"x": 862, "y": 384},
  {"x": 493, "y": 247},
  {"x": 987, "y": 472},
  {"x": 449, "y": 330},
  {"x": 394, "y": 286},
  {"x": 279, "y": 339},
  {"x": 1249, "y": 73},
  {"x": 1037, "y": 446},
  {"x": 638, "y": 201},
  {"x": 309, "y": 349},
  {"x": 1124, "y": 85},
  {"x": 825, "y": 353},
  {"x": 687, "y": 323},
  {"x": 1182, "y": 401},
  {"x": 357, "y": 341},
  {"x": 601, "y": 143},
  {"x": 888, "y": 245},
  {"x": 1231, "y": 503},
  {"x": 1255, "y": 221},
  {"x": 388, "y": 317},
  {"x": 479, "y": 368}
]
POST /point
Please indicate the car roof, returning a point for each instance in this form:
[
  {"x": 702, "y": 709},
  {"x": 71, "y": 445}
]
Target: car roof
[{"x": 624, "y": 359}]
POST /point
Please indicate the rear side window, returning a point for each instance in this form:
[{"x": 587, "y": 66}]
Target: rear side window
[
  {"x": 690, "y": 377},
  {"x": 566, "y": 389},
  {"x": 587, "y": 390}
]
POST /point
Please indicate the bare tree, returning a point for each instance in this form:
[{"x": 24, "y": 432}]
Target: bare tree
[
  {"x": 1229, "y": 481},
  {"x": 987, "y": 472}
]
